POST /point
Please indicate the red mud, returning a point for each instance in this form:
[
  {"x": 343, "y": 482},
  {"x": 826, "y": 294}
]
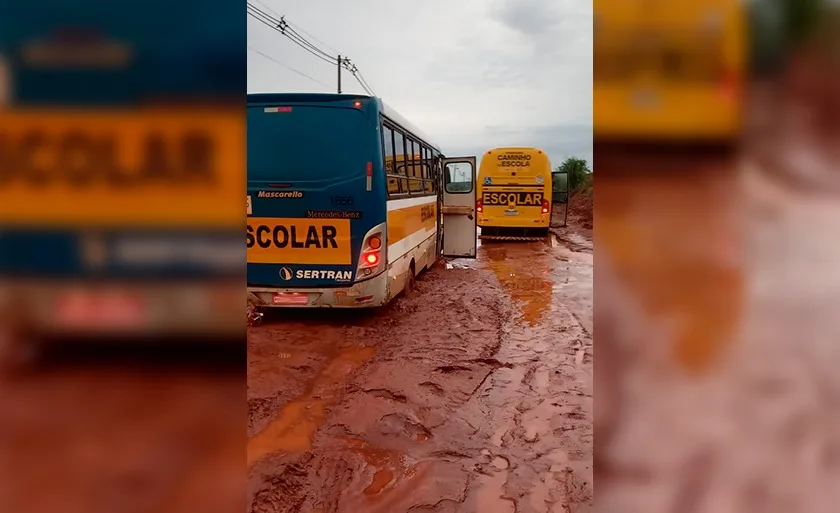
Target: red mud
[
  {"x": 472, "y": 395},
  {"x": 580, "y": 210}
]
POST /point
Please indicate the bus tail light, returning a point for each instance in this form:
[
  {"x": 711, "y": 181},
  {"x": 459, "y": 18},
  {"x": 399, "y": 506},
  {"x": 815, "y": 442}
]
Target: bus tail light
[
  {"x": 372, "y": 255},
  {"x": 728, "y": 85},
  {"x": 546, "y": 206},
  {"x": 369, "y": 174},
  {"x": 479, "y": 206}
]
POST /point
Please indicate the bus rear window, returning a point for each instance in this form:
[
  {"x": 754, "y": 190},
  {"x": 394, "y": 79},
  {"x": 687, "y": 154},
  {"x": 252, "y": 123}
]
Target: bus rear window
[{"x": 307, "y": 143}]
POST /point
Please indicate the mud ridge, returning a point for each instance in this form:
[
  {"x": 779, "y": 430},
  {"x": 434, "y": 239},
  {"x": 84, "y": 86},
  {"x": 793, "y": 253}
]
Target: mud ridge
[
  {"x": 387, "y": 394},
  {"x": 434, "y": 387},
  {"x": 449, "y": 369},
  {"x": 492, "y": 362}
]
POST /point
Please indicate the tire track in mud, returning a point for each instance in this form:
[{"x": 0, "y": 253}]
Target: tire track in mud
[
  {"x": 471, "y": 401},
  {"x": 381, "y": 442},
  {"x": 538, "y": 457}
]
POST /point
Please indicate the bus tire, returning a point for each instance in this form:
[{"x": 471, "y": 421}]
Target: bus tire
[{"x": 410, "y": 280}]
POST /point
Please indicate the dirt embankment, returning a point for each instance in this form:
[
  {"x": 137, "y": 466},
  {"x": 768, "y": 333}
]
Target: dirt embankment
[
  {"x": 576, "y": 232},
  {"x": 580, "y": 209}
]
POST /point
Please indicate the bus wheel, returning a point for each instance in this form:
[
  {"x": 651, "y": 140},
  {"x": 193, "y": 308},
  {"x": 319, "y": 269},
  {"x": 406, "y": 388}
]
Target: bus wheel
[{"x": 410, "y": 280}]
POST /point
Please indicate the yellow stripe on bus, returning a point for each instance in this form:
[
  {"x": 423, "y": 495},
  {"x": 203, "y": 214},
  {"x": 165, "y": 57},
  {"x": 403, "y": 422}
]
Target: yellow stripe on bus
[
  {"x": 271, "y": 240},
  {"x": 120, "y": 168},
  {"x": 406, "y": 221}
]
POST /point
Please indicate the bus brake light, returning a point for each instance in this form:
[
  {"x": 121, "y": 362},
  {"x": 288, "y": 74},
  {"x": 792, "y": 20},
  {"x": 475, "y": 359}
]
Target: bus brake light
[
  {"x": 357, "y": 104},
  {"x": 479, "y": 206},
  {"x": 546, "y": 206},
  {"x": 728, "y": 86},
  {"x": 372, "y": 258}
]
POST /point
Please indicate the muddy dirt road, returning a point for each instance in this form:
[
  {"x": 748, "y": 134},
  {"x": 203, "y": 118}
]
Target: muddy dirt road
[
  {"x": 717, "y": 386},
  {"x": 93, "y": 429},
  {"x": 474, "y": 395}
]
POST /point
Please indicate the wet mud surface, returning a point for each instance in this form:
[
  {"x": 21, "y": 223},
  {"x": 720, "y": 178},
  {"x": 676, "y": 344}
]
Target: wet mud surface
[
  {"x": 716, "y": 385},
  {"x": 123, "y": 431},
  {"x": 473, "y": 395}
]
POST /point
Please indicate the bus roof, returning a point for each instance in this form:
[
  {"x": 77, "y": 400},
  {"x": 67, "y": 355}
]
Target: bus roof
[{"x": 259, "y": 98}]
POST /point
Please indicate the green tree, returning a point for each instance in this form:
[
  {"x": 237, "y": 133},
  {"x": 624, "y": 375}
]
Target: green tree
[
  {"x": 800, "y": 18},
  {"x": 580, "y": 176}
]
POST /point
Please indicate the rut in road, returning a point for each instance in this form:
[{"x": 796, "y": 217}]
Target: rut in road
[{"x": 398, "y": 411}]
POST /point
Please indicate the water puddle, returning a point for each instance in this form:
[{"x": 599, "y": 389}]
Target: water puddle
[
  {"x": 461, "y": 264},
  {"x": 388, "y": 480},
  {"x": 674, "y": 255},
  {"x": 524, "y": 270},
  {"x": 293, "y": 428},
  {"x": 387, "y": 466}
]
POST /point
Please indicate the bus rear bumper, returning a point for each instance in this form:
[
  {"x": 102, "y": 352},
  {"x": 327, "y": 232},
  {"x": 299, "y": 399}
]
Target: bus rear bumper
[
  {"x": 113, "y": 309},
  {"x": 366, "y": 294}
]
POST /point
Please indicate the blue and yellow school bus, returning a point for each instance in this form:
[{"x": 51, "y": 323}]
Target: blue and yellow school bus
[
  {"x": 122, "y": 149},
  {"x": 347, "y": 201}
]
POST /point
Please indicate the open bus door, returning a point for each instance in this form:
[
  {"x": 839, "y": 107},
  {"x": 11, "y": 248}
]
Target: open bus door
[
  {"x": 459, "y": 222},
  {"x": 560, "y": 191}
]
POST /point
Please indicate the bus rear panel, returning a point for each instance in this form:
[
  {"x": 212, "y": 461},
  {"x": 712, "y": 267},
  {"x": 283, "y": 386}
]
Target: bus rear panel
[
  {"x": 109, "y": 158},
  {"x": 514, "y": 195},
  {"x": 316, "y": 228},
  {"x": 669, "y": 71}
]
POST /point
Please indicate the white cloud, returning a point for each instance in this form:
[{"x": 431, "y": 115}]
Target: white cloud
[{"x": 474, "y": 74}]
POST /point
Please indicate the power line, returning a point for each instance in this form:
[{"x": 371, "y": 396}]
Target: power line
[
  {"x": 290, "y": 31},
  {"x": 281, "y": 26},
  {"x": 268, "y": 8},
  {"x": 294, "y": 26},
  {"x": 313, "y": 37},
  {"x": 287, "y": 67}
]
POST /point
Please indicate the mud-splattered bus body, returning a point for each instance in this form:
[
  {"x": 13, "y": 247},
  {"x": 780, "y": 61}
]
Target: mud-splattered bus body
[
  {"x": 514, "y": 194},
  {"x": 346, "y": 202},
  {"x": 118, "y": 182}
]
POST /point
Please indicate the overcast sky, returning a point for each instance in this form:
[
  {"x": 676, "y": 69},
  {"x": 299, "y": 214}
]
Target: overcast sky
[{"x": 472, "y": 74}]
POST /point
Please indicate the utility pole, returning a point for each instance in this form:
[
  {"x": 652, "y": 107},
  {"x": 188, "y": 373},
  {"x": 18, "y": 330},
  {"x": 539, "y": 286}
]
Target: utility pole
[{"x": 339, "y": 74}]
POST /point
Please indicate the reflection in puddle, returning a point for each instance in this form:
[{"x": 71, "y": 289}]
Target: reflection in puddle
[
  {"x": 524, "y": 272},
  {"x": 461, "y": 264},
  {"x": 675, "y": 255},
  {"x": 293, "y": 428}
]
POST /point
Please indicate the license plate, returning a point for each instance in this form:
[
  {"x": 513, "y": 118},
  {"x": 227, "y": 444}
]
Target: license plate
[
  {"x": 290, "y": 298},
  {"x": 511, "y": 212},
  {"x": 100, "y": 310}
]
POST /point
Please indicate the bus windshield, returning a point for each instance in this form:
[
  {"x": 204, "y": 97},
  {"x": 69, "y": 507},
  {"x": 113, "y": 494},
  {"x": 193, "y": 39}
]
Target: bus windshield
[{"x": 306, "y": 143}]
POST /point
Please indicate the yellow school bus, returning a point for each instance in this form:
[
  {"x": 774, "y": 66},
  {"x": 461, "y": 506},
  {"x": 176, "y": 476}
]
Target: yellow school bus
[
  {"x": 514, "y": 194},
  {"x": 669, "y": 71}
]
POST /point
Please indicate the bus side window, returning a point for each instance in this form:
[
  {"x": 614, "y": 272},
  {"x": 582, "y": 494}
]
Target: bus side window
[
  {"x": 412, "y": 148},
  {"x": 388, "y": 146},
  {"x": 399, "y": 160},
  {"x": 428, "y": 184}
]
